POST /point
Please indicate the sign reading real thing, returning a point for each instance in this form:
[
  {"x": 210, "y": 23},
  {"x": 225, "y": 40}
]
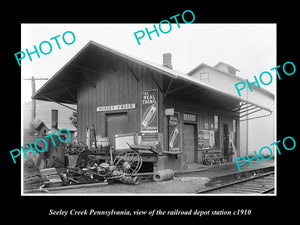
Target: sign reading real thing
[
  {"x": 149, "y": 111},
  {"x": 115, "y": 107}
]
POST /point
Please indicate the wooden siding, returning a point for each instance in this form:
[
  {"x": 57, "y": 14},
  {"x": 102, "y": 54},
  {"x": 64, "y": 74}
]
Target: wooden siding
[
  {"x": 121, "y": 82},
  {"x": 114, "y": 84},
  {"x": 205, "y": 114}
]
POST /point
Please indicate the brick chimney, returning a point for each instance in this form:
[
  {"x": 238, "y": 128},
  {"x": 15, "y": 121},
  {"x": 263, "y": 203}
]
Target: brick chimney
[
  {"x": 54, "y": 123},
  {"x": 167, "y": 60}
]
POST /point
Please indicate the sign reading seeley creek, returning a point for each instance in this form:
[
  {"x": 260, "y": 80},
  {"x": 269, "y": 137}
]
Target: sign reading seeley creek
[
  {"x": 115, "y": 107},
  {"x": 149, "y": 109}
]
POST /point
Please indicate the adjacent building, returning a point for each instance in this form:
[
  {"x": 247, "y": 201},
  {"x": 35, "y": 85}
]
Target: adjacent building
[
  {"x": 44, "y": 117},
  {"x": 257, "y": 127}
]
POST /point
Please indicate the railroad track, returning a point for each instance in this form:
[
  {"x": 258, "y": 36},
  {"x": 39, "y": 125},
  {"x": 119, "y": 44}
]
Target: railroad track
[{"x": 262, "y": 184}]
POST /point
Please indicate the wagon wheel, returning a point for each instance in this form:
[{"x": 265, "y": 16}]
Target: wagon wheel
[
  {"x": 128, "y": 161},
  {"x": 217, "y": 160},
  {"x": 208, "y": 160}
]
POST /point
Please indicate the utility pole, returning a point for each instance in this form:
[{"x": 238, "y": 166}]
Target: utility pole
[
  {"x": 33, "y": 108},
  {"x": 247, "y": 128}
]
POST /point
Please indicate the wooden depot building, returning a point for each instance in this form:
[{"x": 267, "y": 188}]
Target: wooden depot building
[{"x": 130, "y": 100}]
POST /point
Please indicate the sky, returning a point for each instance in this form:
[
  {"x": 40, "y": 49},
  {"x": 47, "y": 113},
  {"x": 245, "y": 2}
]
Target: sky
[{"x": 251, "y": 48}]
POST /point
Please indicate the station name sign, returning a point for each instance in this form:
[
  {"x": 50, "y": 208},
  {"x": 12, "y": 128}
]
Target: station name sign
[{"x": 115, "y": 107}]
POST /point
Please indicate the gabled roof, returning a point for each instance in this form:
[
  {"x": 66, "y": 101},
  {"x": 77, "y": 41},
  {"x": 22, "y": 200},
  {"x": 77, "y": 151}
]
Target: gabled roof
[
  {"x": 62, "y": 86},
  {"x": 39, "y": 125},
  {"x": 222, "y": 63},
  {"x": 213, "y": 68}
]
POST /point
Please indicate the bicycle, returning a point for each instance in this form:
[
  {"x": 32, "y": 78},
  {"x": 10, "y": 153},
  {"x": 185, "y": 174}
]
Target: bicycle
[{"x": 212, "y": 158}]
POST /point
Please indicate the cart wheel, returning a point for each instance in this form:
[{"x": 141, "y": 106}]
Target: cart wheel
[
  {"x": 217, "y": 160},
  {"x": 209, "y": 160},
  {"x": 128, "y": 161}
]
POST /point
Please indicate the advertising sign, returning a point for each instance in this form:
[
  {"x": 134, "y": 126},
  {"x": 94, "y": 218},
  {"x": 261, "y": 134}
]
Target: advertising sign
[
  {"x": 174, "y": 132},
  {"x": 200, "y": 139},
  {"x": 205, "y": 139},
  {"x": 149, "y": 110}
]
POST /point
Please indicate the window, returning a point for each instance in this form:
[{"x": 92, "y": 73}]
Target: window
[
  {"x": 190, "y": 117},
  {"x": 216, "y": 122},
  {"x": 234, "y": 126},
  {"x": 217, "y": 131},
  {"x": 204, "y": 77}
]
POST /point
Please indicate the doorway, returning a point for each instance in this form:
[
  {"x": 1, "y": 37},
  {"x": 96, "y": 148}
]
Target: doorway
[
  {"x": 116, "y": 123},
  {"x": 226, "y": 142},
  {"x": 189, "y": 143}
]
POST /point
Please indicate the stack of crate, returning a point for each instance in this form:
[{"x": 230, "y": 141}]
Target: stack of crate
[{"x": 52, "y": 177}]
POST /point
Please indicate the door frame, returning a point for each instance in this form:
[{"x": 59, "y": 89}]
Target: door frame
[
  {"x": 106, "y": 114},
  {"x": 226, "y": 143},
  {"x": 195, "y": 125}
]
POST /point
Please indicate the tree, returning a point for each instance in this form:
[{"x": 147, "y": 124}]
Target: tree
[
  {"x": 33, "y": 127},
  {"x": 73, "y": 119}
]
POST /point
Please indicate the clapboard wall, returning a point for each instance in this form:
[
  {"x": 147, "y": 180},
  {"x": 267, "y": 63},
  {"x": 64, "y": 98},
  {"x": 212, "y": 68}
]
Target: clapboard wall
[
  {"x": 115, "y": 82},
  {"x": 205, "y": 114},
  {"x": 121, "y": 81}
]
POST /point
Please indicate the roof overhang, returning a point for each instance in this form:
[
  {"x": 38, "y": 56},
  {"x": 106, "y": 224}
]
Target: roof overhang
[
  {"x": 189, "y": 89},
  {"x": 62, "y": 87}
]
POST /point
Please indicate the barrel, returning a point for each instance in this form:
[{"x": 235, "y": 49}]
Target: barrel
[{"x": 163, "y": 175}]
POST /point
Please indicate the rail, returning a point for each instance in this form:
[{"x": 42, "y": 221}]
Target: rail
[{"x": 261, "y": 184}]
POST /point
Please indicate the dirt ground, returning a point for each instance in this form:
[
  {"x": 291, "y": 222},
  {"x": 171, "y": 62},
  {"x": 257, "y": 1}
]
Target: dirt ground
[{"x": 181, "y": 184}]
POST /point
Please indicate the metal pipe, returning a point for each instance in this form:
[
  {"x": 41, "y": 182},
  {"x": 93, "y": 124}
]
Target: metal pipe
[
  {"x": 251, "y": 113},
  {"x": 256, "y": 117}
]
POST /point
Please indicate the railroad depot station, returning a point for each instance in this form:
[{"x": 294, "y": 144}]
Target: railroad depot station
[{"x": 176, "y": 118}]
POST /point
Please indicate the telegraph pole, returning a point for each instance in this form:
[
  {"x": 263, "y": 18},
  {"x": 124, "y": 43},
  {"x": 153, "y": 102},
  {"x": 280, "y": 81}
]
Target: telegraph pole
[{"x": 33, "y": 108}]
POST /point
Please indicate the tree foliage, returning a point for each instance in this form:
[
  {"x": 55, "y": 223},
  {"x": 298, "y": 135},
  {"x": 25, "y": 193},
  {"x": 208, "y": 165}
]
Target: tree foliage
[{"x": 73, "y": 118}]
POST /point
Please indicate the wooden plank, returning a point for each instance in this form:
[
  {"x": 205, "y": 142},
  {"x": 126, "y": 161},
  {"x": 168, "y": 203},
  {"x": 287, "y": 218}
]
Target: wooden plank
[
  {"x": 172, "y": 152},
  {"x": 76, "y": 186},
  {"x": 50, "y": 99},
  {"x": 94, "y": 105},
  {"x": 97, "y": 100},
  {"x": 169, "y": 85},
  {"x": 177, "y": 89},
  {"x": 79, "y": 123},
  {"x": 129, "y": 97},
  {"x": 149, "y": 158},
  {"x": 158, "y": 85},
  {"x": 132, "y": 72},
  {"x": 88, "y": 78},
  {"x": 100, "y": 103},
  {"x": 70, "y": 93}
]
